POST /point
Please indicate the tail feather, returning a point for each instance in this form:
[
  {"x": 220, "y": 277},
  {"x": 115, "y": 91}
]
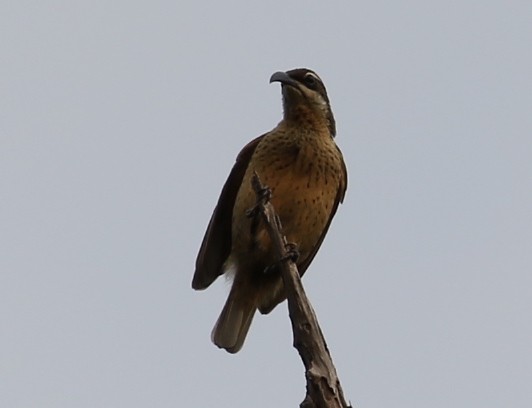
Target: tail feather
[{"x": 232, "y": 326}]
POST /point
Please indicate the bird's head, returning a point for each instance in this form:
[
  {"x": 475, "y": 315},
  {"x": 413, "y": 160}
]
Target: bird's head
[{"x": 303, "y": 91}]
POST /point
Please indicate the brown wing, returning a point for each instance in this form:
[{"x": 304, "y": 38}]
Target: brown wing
[
  {"x": 216, "y": 244},
  {"x": 302, "y": 267}
]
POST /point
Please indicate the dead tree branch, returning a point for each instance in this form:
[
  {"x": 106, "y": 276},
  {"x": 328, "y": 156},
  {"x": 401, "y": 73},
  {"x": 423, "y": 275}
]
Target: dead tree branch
[{"x": 323, "y": 386}]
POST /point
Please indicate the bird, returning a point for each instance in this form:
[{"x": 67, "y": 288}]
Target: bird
[{"x": 305, "y": 172}]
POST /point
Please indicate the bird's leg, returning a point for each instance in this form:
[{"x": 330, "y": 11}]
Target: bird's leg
[
  {"x": 292, "y": 254},
  {"x": 264, "y": 195}
]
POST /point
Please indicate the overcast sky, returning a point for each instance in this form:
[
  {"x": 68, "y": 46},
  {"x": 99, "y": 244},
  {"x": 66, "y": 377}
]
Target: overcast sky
[{"x": 119, "y": 123}]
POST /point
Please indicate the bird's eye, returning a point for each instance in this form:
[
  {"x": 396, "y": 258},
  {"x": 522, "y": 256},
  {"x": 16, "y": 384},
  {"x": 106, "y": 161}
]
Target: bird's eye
[{"x": 310, "y": 81}]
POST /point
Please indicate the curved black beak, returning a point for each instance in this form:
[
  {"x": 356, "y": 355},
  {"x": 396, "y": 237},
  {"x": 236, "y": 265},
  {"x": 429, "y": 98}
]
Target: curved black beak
[{"x": 283, "y": 78}]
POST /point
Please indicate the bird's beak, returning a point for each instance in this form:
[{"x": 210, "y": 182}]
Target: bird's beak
[{"x": 283, "y": 78}]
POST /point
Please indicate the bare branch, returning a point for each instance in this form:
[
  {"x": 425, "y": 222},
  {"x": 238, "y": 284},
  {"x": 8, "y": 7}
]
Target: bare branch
[{"x": 323, "y": 386}]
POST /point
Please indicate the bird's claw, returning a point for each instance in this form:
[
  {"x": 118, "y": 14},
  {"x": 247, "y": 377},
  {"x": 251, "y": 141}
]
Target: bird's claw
[
  {"x": 264, "y": 196},
  {"x": 292, "y": 252}
]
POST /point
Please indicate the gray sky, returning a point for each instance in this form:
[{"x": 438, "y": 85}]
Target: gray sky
[{"x": 119, "y": 122}]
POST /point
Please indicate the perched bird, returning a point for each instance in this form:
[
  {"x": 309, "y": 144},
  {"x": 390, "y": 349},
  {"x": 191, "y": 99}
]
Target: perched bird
[{"x": 305, "y": 171}]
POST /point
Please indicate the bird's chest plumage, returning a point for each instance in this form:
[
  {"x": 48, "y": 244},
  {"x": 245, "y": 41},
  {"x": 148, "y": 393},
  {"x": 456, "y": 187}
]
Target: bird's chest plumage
[{"x": 303, "y": 170}]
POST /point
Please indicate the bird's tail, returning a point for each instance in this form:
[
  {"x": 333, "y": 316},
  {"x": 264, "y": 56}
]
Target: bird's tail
[{"x": 232, "y": 326}]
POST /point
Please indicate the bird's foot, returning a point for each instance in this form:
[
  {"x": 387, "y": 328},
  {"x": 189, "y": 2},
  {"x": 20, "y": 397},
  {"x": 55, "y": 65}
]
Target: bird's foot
[
  {"x": 292, "y": 252},
  {"x": 264, "y": 195}
]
